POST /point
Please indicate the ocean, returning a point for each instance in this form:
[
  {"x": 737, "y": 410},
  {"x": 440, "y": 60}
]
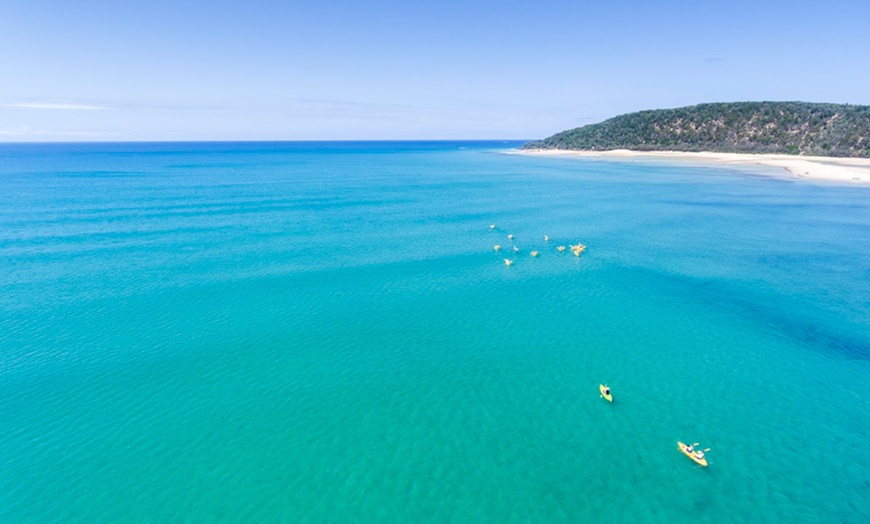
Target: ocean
[{"x": 324, "y": 332}]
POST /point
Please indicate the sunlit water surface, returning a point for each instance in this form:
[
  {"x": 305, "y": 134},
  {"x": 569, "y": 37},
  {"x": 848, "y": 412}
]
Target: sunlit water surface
[{"x": 323, "y": 332}]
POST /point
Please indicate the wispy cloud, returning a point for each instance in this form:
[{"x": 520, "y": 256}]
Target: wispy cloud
[
  {"x": 28, "y": 133},
  {"x": 56, "y": 106},
  {"x": 17, "y": 131}
]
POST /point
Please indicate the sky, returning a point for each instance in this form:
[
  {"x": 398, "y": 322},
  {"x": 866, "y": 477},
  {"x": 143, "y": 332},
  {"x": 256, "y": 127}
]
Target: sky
[{"x": 95, "y": 70}]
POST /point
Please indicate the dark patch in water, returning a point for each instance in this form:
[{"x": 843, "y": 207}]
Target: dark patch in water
[
  {"x": 804, "y": 329},
  {"x": 701, "y": 505}
]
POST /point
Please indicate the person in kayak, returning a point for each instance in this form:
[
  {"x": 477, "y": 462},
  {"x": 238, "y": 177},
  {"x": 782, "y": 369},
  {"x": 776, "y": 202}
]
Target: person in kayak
[
  {"x": 691, "y": 450},
  {"x": 606, "y": 391}
]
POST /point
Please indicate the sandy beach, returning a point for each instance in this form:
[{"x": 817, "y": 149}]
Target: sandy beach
[{"x": 830, "y": 169}]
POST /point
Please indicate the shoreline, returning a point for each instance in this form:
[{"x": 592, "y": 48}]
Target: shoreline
[{"x": 829, "y": 169}]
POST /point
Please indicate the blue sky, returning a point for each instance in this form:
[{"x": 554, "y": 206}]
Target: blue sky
[{"x": 473, "y": 69}]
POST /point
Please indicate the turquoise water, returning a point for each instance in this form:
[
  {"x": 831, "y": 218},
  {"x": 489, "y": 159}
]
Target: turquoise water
[{"x": 322, "y": 332}]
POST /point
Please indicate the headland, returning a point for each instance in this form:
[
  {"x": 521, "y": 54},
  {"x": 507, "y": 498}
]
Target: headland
[{"x": 808, "y": 140}]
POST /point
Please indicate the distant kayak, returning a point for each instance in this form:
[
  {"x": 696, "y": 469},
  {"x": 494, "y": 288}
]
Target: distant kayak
[
  {"x": 692, "y": 453},
  {"x": 605, "y": 392}
]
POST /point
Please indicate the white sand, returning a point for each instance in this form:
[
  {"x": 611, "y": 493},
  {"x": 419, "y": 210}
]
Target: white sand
[{"x": 831, "y": 169}]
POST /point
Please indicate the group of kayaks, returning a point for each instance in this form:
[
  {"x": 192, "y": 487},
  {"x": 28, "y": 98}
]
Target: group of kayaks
[
  {"x": 689, "y": 450},
  {"x": 577, "y": 249}
]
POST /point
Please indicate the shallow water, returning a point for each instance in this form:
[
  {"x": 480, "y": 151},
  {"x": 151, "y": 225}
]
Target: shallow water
[{"x": 313, "y": 332}]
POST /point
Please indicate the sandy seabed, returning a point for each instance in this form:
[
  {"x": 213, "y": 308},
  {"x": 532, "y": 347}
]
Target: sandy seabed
[{"x": 831, "y": 169}]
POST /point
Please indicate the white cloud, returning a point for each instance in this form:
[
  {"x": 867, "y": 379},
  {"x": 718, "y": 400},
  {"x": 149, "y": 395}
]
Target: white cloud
[
  {"x": 28, "y": 134},
  {"x": 18, "y": 131},
  {"x": 56, "y": 106}
]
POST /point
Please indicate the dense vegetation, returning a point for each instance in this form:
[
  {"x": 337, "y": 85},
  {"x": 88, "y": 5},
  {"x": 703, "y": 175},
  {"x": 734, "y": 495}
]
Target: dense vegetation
[{"x": 797, "y": 128}]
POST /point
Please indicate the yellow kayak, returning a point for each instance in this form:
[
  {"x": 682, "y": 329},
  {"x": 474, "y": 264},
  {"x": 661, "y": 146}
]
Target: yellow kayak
[
  {"x": 605, "y": 392},
  {"x": 695, "y": 454}
]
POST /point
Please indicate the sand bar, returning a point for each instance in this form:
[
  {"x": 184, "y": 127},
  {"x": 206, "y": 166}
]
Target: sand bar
[{"x": 830, "y": 169}]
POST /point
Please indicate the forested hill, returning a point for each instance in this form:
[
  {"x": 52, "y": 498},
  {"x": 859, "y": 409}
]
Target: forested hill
[{"x": 797, "y": 128}]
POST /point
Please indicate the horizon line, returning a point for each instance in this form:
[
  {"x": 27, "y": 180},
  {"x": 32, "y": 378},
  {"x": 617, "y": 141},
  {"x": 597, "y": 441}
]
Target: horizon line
[{"x": 262, "y": 141}]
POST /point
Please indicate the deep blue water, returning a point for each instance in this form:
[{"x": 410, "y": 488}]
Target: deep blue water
[{"x": 323, "y": 332}]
